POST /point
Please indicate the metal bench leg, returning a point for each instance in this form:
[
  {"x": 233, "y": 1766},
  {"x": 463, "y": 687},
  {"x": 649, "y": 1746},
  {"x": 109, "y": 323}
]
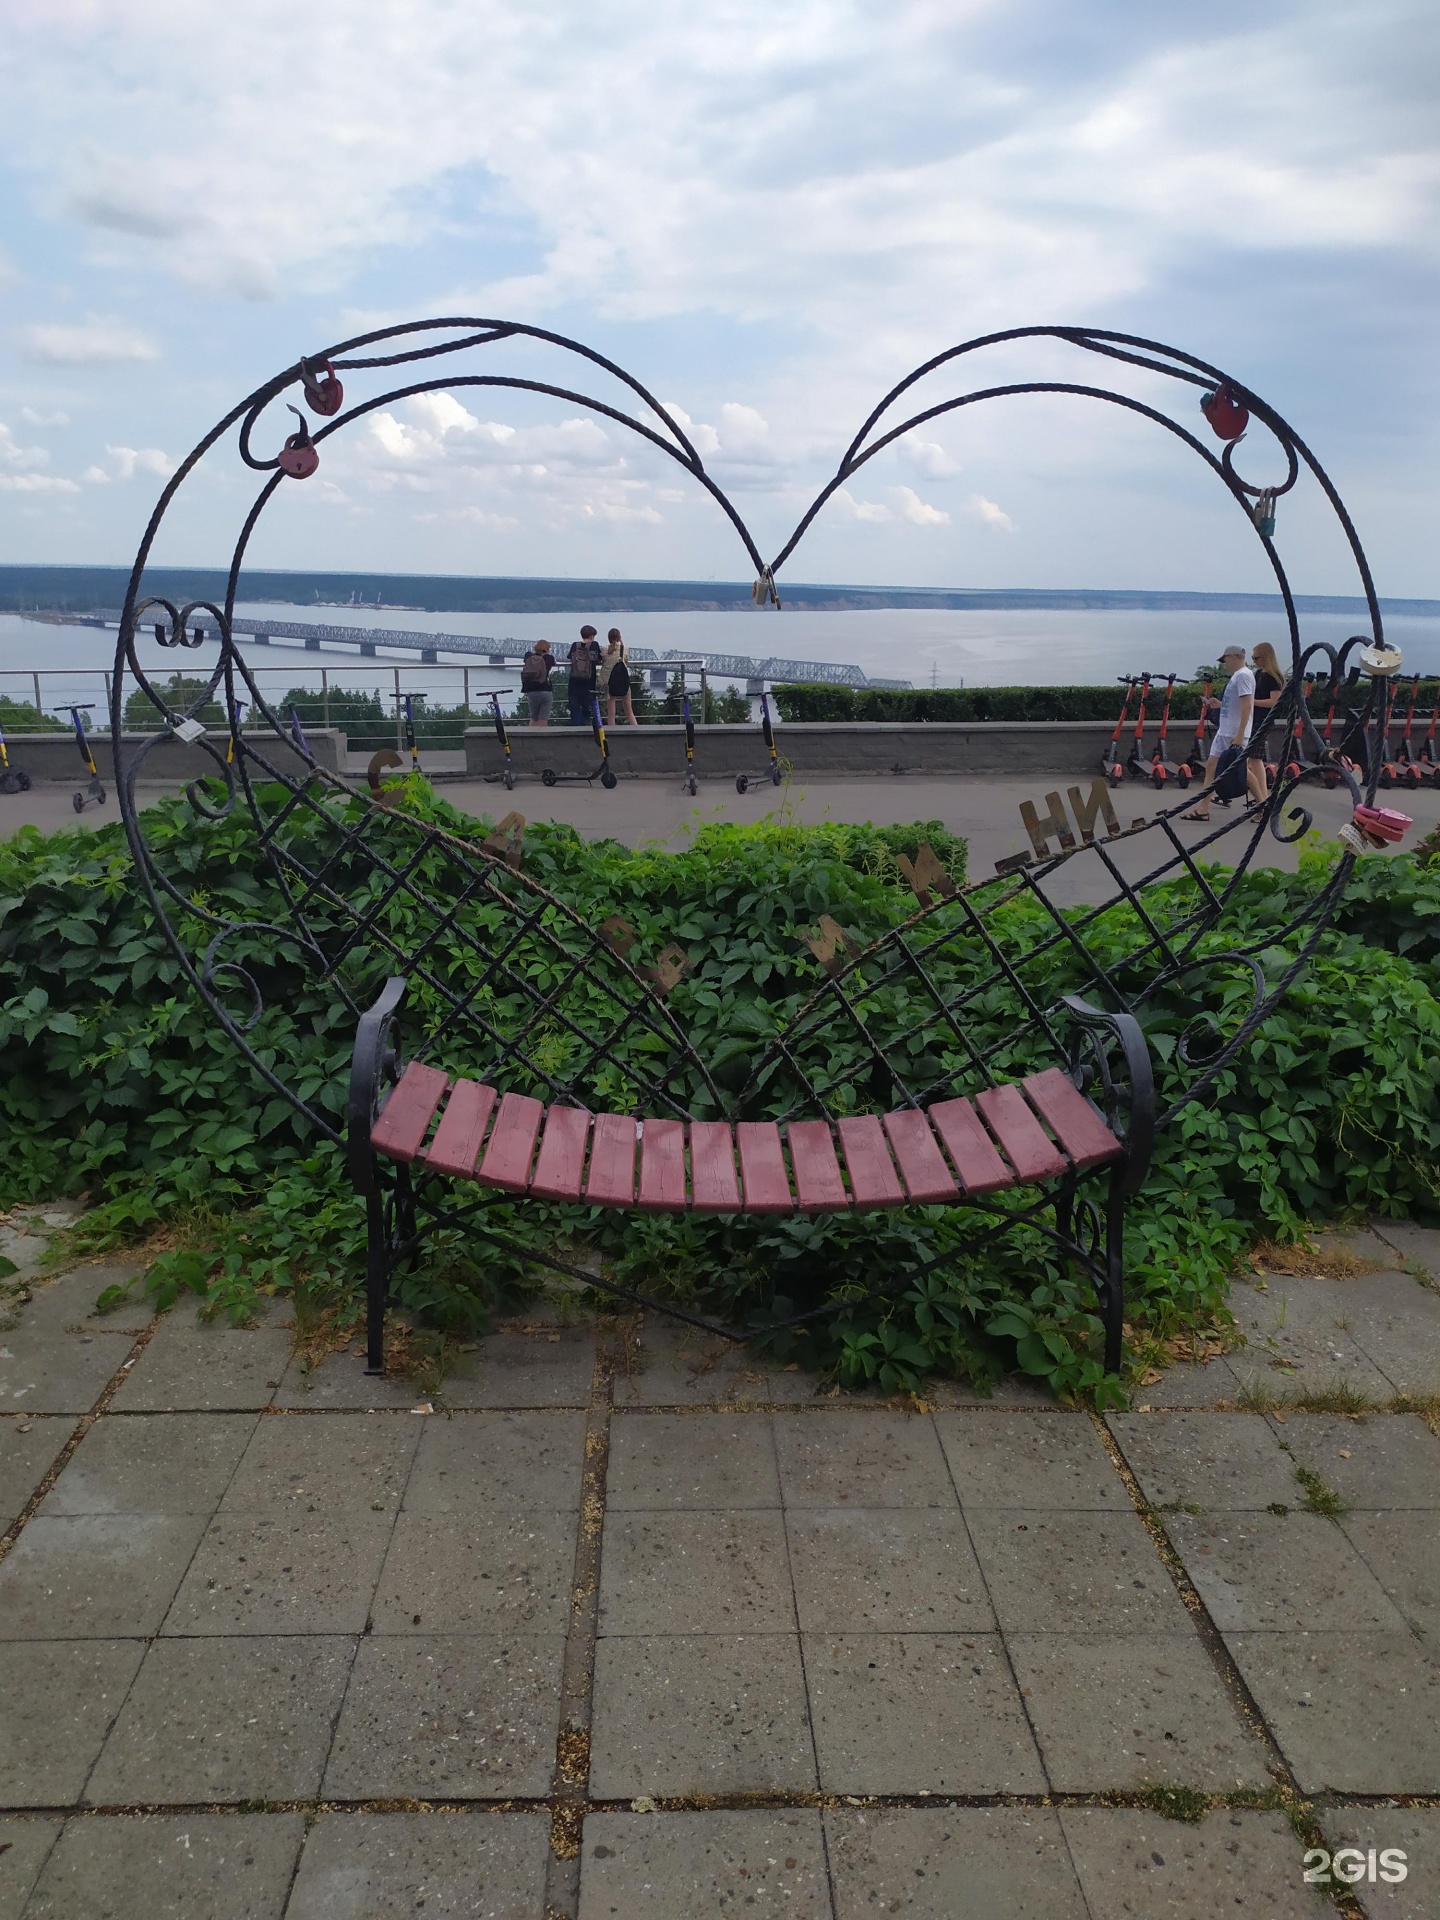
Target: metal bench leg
[
  {"x": 1112, "y": 1298},
  {"x": 377, "y": 1281}
]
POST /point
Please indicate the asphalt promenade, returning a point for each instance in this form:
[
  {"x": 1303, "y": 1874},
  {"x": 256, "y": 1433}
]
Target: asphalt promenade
[{"x": 617, "y": 1625}]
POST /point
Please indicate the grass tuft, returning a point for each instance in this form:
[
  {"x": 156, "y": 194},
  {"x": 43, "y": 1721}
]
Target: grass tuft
[{"x": 1318, "y": 1497}]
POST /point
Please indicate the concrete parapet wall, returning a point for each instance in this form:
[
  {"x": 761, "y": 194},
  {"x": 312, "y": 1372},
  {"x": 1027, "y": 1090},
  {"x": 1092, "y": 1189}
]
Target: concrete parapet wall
[
  {"x": 811, "y": 747},
  {"x": 55, "y": 757}
]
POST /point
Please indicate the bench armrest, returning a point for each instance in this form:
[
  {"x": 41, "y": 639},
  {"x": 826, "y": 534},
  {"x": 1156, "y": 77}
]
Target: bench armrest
[
  {"x": 375, "y": 1065},
  {"x": 1113, "y": 1066}
]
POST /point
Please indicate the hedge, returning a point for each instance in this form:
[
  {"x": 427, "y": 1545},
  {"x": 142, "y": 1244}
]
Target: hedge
[{"x": 805, "y": 702}]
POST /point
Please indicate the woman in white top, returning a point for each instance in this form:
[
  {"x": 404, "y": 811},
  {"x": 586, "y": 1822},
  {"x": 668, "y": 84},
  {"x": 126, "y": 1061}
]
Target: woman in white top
[{"x": 615, "y": 677}]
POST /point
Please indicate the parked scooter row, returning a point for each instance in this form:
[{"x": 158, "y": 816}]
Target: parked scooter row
[{"x": 1154, "y": 764}]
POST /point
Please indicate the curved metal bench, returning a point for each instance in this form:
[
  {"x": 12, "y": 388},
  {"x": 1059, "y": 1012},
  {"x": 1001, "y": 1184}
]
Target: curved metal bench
[{"x": 981, "y": 1054}]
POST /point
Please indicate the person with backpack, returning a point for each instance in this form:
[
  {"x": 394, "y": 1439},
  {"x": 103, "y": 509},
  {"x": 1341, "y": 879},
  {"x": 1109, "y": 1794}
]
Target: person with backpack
[
  {"x": 1232, "y": 736},
  {"x": 615, "y": 669},
  {"x": 584, "y": 660},
  {"x": 535, "y": 671}
]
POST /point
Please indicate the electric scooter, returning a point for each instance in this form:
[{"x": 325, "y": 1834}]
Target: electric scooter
[
  {"x": 1160, "y": 767},
  {"x": 1137, "y": 766},
  {"x": 692, "y": 785},
  {"x": 93, "y": 789},
  {"x": 1192, "y": 767},
  {"x": 1293, "y": 764},
  {"x": 506, "y": 775},
  {"x": 549, "y": 777},
  {"x": 1111, "y": 764},
  {"x": 1427, "y": 763},
  {"x": 743, "y": 781},
  {"x": 1407, "y": 767},
  {"x": 12, "y": 779}
]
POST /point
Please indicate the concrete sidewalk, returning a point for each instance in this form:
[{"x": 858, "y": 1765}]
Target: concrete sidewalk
[{"x": 623, "y": 1626}]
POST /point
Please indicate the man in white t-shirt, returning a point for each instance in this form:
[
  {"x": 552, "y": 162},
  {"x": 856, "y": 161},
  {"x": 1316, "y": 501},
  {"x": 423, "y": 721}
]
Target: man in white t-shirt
[{"x": 1237, "y": 710}]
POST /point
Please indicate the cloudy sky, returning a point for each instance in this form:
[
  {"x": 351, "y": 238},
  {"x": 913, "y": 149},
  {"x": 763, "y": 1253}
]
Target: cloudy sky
[{"x": 768, "y": 213}]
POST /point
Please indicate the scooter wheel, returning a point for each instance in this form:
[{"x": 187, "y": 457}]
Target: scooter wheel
[
  {"x": 775, "y": 778},
  {"x": 23, "y": 779},
  {"x": 1387, "y": 777},
  {"x": 12, "y": 781},
  {"x": 1182, "y": 776},
  {"x": 1116, "y": 776},
  {"x": 509, "y": 781},
  {"x": 1158, "y": 776},
  {"x": 608, "y": 779},
  {"x": 547, "y": 777},
  {"x": 78, "y": 802},
  {"x": 742, "y": 784},
  {"x": 99, "y": 796},
  {"x": 1412, "y": 778},
  {"x": 692, "y": 785}
]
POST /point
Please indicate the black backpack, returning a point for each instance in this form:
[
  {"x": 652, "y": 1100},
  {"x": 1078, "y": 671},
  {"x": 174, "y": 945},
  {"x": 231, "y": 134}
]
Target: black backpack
[{"x": 533, "y": 676}]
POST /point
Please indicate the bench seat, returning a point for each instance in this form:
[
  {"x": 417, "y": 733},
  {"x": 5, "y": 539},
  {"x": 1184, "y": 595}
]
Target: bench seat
[{"x": 1034, "y": 1131}]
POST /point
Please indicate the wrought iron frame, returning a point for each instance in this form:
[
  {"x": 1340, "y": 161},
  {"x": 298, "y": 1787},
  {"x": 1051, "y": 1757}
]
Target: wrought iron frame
[{"x": 1173, "y": 909}]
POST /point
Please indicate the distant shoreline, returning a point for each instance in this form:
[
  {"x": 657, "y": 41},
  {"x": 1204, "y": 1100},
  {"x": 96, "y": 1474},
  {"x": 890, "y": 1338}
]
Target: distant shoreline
[{"x": 90, "y": 589}]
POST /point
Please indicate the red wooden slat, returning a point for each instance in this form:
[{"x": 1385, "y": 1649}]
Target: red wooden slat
[
  {"x": 611, "y": 1179},
  {"x": 819, "y": 1185},
  {"x": 762, "y": 1167},
  {"x": 1028, "y": 1147},
  {"x": 713, "y": 1185},
  {"x": 1074, "y": 1120},
  {"x": 512, "y": 1143},
  {"x": 921, "y": 1163},
  {"x": 399, "y": 1131},
  {"x": 873, "y": 1179},
  {"x": 560, "y": 1162},
  {"x": 662, "y": 1167},
  {"x": 461, "y": 1132},
  {"x": 970, "y": 1148}
]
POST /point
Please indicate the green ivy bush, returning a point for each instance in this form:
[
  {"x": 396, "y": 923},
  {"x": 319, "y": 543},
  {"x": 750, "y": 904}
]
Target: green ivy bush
[
  {"x": 118, "y": 1081},
  {"x": 804, "y": 702}
]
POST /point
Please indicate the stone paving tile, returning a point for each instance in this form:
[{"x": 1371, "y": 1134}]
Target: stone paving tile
[
  {"x": 316, "y": 1466},
  {"x": 918, "y": 1712},
  {"x": 1135, "y": 1865},
  {"x": 529, "y": 1460},
  {"x": 179, "y": 1867},
  {"x": 678, "y": 1366},
  {"x": 1025, "y": 1460},
  {"x": 64, "y": 1302},
  {"x": 225, "y": 1369},
  {"x": 1411, "y": 1831},
  {"x": 339, "y": 1383},
  {"x": 704, "y": 1572},
  {"x": 1228, "y": 1461},
  {"x": 57, "y": 1701},
  {"x": 1130, "y": 1710},
  {"x": 369, "y": 1866},
  {"x": 1305, "y": 1333},
  {"x": 28, "y": 1448},
  {"x": 1293, "y": 1572},
  {"x": 1389, "y": 1460},
  {"x": 462, "y": 1715},
  {"x": 1402, "y": 1550},
  {"x": 1193, "y": 1383},
  {"x": 846, "y": 1459},
  {"x": 44, "y": 1369},
  {"x": 1420, "y": 1245},
  {"x": 1396, "y": 1319},
  {"x": 496, "y": 1571},
  {"x": 225, "y": 1720},
  {"x": 886, "y": 1570},
  {"x": 1074, "y": 1573},
  {"x": 152, "y": 1463},
  {"x": 525, "y": 1370},
  {"x": 24, "y": 1845},
  {"x": 668, "y": 1865},
  {"x": 95, "y": 1576},
  {"x": 691, "y": 1460},
  {"x": 952, "y": 1863},
  {"x": 687, "y": 1714},
  {"x": 1352, "y": 1712},
  {"x": 1016, "y": 1390},
  {"x": 282, "y": 1572}
]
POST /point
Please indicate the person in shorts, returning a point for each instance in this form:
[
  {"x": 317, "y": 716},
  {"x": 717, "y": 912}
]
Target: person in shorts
[
  {"x": 535, "y": 671},
  {"x": 584, "y": 660},
  {"x": 615, "y": 671},
  {"x": 1237, "y": 711}
]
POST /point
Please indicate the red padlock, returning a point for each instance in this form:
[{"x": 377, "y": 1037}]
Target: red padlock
[
  {"x": 1227, "y": 416},
  {"x": 323, "y": 393},
  {"x": 299, "y": 457},
  {"x": 1383, "y": 823}
]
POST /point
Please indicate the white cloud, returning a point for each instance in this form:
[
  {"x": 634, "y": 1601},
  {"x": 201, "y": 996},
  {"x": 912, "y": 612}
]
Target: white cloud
[
  {"x": 36, "y": 483},
  {"x": 988, "y": 514},
  {"x": 126, "y": 462},
  {"x": 928, "y": 458},
  {"x": 98, "y": 343},
  {"x": 852, "y": 509},
  {"x": 34, "y": 419},
  {"x": 14, "y": 456},
  {"x": 912, "y": 508}
]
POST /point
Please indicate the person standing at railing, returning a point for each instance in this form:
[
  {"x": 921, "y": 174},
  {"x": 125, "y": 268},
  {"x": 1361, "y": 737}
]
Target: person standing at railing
[
  {"x": 584, "y": 662},
  {"x": 615, "y": 678},
  {"x": 535, "y": 671}
]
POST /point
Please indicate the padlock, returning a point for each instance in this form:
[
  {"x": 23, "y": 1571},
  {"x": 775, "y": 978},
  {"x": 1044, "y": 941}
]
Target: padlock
[
  {"x": 298, "y": 457},
  {"x": 1223, "y": 409},
  {"x": 1263, "y": 513},
  {"x": 1383, "y": 823},
  {"x": 323, "y": 392}
]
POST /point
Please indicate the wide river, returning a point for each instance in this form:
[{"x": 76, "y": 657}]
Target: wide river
[{"x": 925, "y": 647}]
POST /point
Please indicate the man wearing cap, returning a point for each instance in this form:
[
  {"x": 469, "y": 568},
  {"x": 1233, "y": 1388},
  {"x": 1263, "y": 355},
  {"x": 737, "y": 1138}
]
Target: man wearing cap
[
  {"x": 1237, "y": 710},
  {"x": 584, "y": 659}
]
